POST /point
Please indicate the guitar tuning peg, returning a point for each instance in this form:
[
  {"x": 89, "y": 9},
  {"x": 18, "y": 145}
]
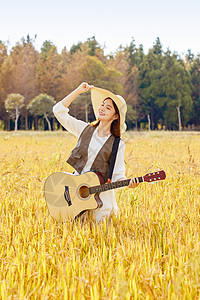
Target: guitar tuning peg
[{"x": 154, "y": 182}]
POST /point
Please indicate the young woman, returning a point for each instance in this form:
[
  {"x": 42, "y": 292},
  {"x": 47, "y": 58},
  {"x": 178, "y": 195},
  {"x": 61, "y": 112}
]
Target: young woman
[{"x": 95, "y": 140}]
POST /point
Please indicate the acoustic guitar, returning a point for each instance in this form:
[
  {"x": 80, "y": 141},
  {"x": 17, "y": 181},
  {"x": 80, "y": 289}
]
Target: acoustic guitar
[{"x": 68, "y": 196}]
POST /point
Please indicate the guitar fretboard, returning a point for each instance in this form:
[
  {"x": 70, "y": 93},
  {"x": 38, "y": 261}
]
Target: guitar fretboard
[{"x": 110, "y": 186}]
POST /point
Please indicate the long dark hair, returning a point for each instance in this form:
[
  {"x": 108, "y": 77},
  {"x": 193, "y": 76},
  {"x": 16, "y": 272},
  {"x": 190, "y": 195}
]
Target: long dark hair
[{"x": 115, "y": 125}]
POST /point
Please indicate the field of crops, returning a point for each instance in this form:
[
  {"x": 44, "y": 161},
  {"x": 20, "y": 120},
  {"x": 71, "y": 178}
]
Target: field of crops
[{"x": 150, "y": 251}]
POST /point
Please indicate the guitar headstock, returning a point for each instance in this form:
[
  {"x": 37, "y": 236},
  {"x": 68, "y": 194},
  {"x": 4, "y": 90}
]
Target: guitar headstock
[{"x": 155, "y": 176}]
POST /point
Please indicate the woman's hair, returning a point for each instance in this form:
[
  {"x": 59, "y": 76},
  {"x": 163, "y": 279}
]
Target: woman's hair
[{"x": 115, "y": 125}]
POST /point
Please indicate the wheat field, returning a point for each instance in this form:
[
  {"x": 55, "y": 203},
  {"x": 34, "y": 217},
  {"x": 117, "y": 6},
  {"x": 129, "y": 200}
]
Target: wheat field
[{"x": 150, "y": 251}]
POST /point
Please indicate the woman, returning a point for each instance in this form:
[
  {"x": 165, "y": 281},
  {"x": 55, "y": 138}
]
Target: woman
[{"x": 94, "y": 146}]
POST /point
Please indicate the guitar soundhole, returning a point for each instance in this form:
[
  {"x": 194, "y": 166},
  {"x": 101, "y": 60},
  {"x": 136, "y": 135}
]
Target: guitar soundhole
[{"x": 84, "y": 191}]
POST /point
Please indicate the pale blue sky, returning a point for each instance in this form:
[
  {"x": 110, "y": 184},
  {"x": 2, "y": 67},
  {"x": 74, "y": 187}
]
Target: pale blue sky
[{"x": 113, "y": 22}]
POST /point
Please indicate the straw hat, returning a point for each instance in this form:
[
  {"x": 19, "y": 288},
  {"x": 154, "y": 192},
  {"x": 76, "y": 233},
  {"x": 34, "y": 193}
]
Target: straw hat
[{"x": 97, "y": 97}]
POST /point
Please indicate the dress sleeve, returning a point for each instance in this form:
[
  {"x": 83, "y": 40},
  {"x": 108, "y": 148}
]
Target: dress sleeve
[
  {"x": 119, "y": 168},
  {"x": 70, "y": 123}
]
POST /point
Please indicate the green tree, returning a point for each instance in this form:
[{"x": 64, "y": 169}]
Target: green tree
[
  {"x": 176, "y": 88},
  {"x": 131, "y": 117},
  {"x": 134, "y": 55},
  {"x": 149, "y": 82},
  {"x": 42, "y": 105},
  {"x": 93, "y": 46},
  {"x": 189, "y": 57},
  {"x": 13, "y": 104},
  {"x": 46, "y": 47},
  {"x": 132, "y": 91},
  {"x": 75, "y": 47},
  {"x": 157, "y": 47},
  {"x": 195, "y": 79},
  {"x": 165, "y": 88}
]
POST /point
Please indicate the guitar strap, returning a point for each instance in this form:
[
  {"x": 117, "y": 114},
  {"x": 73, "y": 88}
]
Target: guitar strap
[{"x": 113, "y": 157}]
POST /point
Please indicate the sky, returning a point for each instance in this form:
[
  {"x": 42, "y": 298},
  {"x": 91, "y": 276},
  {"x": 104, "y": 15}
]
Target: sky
[{"x": 113, "y": 23}]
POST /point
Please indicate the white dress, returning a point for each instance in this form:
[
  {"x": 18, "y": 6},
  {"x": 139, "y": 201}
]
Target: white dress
[{"x": 75, "y": 127}]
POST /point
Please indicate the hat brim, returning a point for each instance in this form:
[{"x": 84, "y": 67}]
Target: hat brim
[{"x": 97, "y": 97}]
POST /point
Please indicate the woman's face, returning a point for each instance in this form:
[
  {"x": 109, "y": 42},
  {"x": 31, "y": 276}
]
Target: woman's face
[{"x": 107, "y": 111}]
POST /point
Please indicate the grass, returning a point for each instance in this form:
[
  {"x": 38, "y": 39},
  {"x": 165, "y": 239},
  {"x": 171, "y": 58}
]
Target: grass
[{"x": 150, "y": 251}]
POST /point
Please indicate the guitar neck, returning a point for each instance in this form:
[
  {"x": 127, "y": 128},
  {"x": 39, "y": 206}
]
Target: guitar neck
[{"x": 112, "y": 185}]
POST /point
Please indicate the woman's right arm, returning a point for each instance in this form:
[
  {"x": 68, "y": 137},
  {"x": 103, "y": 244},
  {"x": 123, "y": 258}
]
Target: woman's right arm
[
  {"x": 61, "y": 110},
  {"x": 82, "y": 88}
]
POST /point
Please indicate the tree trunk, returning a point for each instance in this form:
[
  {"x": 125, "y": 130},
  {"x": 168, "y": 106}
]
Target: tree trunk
[
  {"x": 8, "y": 122},
  {"x": 16, "y": 117},
  {"x": 86, "y": 112},
  {"x": 53, "y": 123},
  {"x": 30, "y": 121},
  {"x": 136, "y": 125},
  {"x": 48, "y": 122},
  {"x": 36, "y": 123},
  {"x": 149, "y": 122},
  {"x": 26, "y": 120},
  {"x": 179, "y": 117}
]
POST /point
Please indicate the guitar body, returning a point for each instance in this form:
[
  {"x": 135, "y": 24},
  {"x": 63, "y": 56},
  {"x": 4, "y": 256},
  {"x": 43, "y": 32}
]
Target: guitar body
[{"x": 67, "y": 195}]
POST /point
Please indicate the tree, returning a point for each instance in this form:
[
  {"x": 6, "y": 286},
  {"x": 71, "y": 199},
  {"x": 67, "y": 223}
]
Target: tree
[
  {"x": 13, "y": 104},
  {"x": 42, "y": 105},
  {"x": 134, "y": 55},
  {"x": 195, "y": 79},
  {"x": 127, "y": 61},
  {"x": 176, "y": 102},
  {"x": 3, "y": 56},
  {"x": 70, "y": 71},
  {"x": 131, "y": 117},
  {"x": 93, "y": 70},
  {"x": 189, "y": 57},
  {"x": 99, "y": 74},
  {"x": 19, "y": 73},
  {"x": 120, "y": 63},
  {"x": 131, "y": 88},
  {"x": 48, "y": 70},
  {"x": 3, "y": 53},
  {"x": 149, "y": 82},
  {"x": 83, "y": 103},
  {"x": 46, "y": 47},
  {"x": 93, "y": 46},
  {"x": 74, "y": 48},
  {"x": 157, "y": 47},
  {"x": 165, "y": 87}
]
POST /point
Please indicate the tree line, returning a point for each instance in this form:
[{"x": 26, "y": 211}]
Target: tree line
[{"x": 161, "y": 88}]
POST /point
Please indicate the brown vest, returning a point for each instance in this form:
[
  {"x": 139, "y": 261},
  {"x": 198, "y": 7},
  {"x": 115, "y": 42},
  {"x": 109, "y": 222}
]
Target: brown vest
[{"x": 79, "y": 154}]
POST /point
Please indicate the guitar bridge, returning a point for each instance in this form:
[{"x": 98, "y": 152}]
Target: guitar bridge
[{"x": 67, "y": 196}]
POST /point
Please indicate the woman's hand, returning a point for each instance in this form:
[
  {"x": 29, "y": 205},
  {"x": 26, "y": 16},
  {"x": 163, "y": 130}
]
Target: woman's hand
[
  {"x": 84, "y": 87},
  {"x": 133, "y": 183}
]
